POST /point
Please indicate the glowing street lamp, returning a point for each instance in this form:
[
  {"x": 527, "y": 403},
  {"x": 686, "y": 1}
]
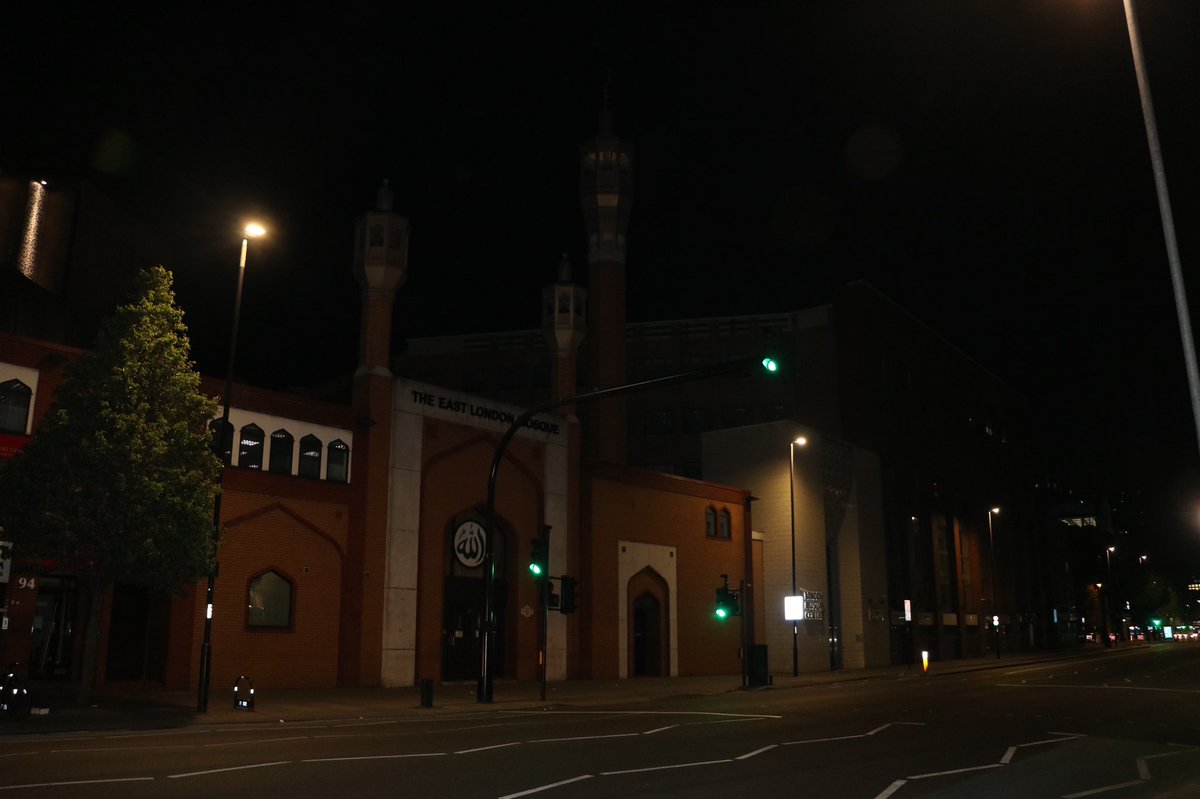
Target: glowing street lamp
[
  {"x": 252, "y": 231},
  {"x": 800, "y": 441},
  {"x": 992, "y": 549}
]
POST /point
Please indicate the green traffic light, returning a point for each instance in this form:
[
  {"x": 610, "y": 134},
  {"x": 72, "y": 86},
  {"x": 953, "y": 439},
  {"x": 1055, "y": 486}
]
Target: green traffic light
[
  {"x": 536, "y": 569},
  {"x": 770, "y": 364},
  {"x": 721, "y": 613}
]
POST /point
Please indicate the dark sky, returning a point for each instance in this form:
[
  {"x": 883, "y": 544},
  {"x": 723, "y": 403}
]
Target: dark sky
[{"x": 983, "y": 163}]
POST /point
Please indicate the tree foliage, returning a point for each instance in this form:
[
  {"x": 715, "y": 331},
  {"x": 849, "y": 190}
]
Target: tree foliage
[{"x": 118, "y": 482}]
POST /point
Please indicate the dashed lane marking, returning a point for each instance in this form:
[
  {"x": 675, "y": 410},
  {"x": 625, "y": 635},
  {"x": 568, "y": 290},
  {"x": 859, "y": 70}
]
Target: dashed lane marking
[{"x": 546, "y": 787}]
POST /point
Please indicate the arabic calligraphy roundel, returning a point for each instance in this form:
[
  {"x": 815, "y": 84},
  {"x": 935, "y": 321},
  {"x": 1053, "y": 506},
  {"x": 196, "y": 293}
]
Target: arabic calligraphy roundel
[{"x": 469, "y": 544}]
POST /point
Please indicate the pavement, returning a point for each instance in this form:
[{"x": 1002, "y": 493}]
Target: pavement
[{"x": 134, "y": 706}]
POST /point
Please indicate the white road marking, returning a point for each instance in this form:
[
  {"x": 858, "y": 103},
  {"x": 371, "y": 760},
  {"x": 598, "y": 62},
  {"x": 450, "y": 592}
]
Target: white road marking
[
  {"x": 749, "y": 755},
  {"x": 660, "y": 729},
  {"x": 1103, "y": 687},
  {"x": 230, "y": 768},
  {"x": 546, "y": 787},
  {"x": 954, "y": 771},
  {"x": 74, "y": 782},
  {"x": 1053, "y": 740},
  {"x": 371, "y": 757},
  {"x": 645, "y": 713},
  {"x": 823, "y": 740},
  {"x": 1143, "y": 769},
  {"x": 257, "y": 741},
  {"x": 1008, "y": 755},
  {"x": 664, "y": 768},
  {"x": 584, "y": 738},
  {"x": 20, "y": 754},
  {"x": 485, "y": 748},
  {"x": 891, "y": 789}
]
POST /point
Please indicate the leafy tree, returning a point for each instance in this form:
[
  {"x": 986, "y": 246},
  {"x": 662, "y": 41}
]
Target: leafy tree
[{"x": 118, "y": 483}]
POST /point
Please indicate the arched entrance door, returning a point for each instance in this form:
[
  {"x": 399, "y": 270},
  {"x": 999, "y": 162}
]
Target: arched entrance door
[
  {"x": 649, "y": 630},
  {"x": 462, "y": 603}
]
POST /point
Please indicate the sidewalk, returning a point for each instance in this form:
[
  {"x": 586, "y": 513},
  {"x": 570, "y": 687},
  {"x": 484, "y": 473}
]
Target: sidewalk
[{"x": 139, "y": 706}]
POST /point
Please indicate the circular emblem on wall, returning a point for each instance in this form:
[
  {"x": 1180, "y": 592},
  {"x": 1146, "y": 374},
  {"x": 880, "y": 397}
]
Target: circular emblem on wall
[{"x": 470, "y": 543}]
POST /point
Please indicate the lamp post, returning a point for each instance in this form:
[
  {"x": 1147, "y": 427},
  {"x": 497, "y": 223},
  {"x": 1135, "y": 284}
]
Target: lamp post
[
  {"x": 252, "y": 230},
  {"x": 1108, "y": 577},
  {"x": 992, "y": 550},
  {"x": 799, "y": 442},
  {"x": 1165, "y": 213}
]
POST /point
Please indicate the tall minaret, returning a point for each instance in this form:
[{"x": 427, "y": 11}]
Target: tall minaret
[
  {"x": 380, "y": 265},
  {"x": 564, "y": 324},
  {"x": 606, "y": 194}
]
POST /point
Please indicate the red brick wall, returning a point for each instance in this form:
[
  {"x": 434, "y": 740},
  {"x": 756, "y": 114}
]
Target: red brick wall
[{"x": 643, "y": 507}]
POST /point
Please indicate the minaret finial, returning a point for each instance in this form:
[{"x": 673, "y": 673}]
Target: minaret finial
[
  {"x": 383, "y": 198},
  {"x": 606, "y": 126}
]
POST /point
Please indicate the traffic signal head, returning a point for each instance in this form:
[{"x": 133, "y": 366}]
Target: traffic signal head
[
  {"x": 725, "y": 605},
  {"x": 538, "y": 565},
  {"x": 770, "y": 364},
  {"x": 567, "y": 594}
]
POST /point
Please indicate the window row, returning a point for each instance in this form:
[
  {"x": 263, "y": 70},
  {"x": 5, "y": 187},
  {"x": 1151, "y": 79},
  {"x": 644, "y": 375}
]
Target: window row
[
  {"x": 252, "y": 442},
  {"x": 717, "y": 524}
]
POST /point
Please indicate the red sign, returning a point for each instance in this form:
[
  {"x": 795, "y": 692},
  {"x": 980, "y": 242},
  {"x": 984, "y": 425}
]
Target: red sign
[{"x": 11, "y": 445}]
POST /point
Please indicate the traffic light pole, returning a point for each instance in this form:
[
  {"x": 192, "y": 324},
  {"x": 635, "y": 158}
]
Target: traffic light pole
[{"x": 484, "y": 689}]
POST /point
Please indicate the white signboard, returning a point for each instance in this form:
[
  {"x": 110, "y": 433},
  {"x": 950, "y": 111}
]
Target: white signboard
[
  {"x": 793, "y": 608},
  {"x": 908, "y": 610}
]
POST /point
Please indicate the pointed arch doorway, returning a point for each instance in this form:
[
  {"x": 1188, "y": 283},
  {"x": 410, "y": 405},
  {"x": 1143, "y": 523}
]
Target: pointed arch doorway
[{"x": 649, "y": 629}]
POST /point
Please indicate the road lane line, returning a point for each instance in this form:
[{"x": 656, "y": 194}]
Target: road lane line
[
  {"x": 749, "y": 755},
  {"x": 259, "y": 741},
  {"x": 1143, "y": 769},
  {"x": 891, "y": 789},
  {"x": 1104, "y": 789},
  {"x": 823, "y": 740},
  {"x": 880, "y": 728},
  {"x": 34, "y": 752},
  {"x": 660, "y": 729},
  {"x": 584, "y": 738},
  {"x": 1052, "y": 740},
  {"x": 1008, "y": 755},
  {"x": 1069, "y": 734},
  {"x": 954, "y": 771},
  {"x": 1103, "y": 687},
  {"x": 73, "y": 782},
  {"x": 644, "y": 713},
  {"x": 485, "y": 748},
  {"x": 371, "y": 757},
  {"x": 664, "y": 768},
  {"x": 230, "y": 768},
  {"x": 546, "y": 787}
]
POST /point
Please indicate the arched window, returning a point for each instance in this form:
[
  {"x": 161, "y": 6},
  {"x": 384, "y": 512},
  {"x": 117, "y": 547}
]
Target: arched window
[
  {"x": 15, "y": 398},
  {"x": 710, "y": 522},
  {"x": 338, "y": 467},
  {"x": 269, "y": 601},
  {"x": 250, "y": 448},
  {"x": 222, "y": 445},
  {"x": 282, "y": 445},
  {"x": 724, "y": 530},
  {"x": 310, "y": 457}
]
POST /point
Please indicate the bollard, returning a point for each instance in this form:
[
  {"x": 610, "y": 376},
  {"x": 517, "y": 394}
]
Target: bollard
[
  {"x": 426, "y": 693},
  {"x": 243, "y": 700}
]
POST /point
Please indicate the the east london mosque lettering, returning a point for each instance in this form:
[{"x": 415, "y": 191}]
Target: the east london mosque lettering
[{"x": 431, "y": 400}]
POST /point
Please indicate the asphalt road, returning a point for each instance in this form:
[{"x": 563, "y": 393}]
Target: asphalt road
[{"x": 1123, "y": 724}]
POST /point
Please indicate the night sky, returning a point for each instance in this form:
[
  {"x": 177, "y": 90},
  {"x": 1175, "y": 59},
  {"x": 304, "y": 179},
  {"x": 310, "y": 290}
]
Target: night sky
[{"x": 982, "y": 163}]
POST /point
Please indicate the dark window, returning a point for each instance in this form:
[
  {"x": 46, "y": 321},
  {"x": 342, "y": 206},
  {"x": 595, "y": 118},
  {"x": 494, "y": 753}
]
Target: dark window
[
  {"x": 310, "y": 457},
  {"x": 736, "y": 416},
  {"x": 696, "y": 420},
  {"x": 250, "y": 447},
  {"x": 338, "y": 467},
  {"x": 710, "y": 522},
  {"x": 15, "y": 397},
  {"x": 282, "y": 445},
  {"x": 660, "y": 422},
  {"x": 270, "y": 601},
  {"x": 724, "y": 530},
  {"x": 222, "y": 445}
]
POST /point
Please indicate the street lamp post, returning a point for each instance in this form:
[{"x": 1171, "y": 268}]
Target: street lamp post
[
  {"x": 252, "y": 230},
  {"x": 1108, "y": 577},
  {"x": 992, "y": 550},
  {"x": 800, "y": 441}
]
